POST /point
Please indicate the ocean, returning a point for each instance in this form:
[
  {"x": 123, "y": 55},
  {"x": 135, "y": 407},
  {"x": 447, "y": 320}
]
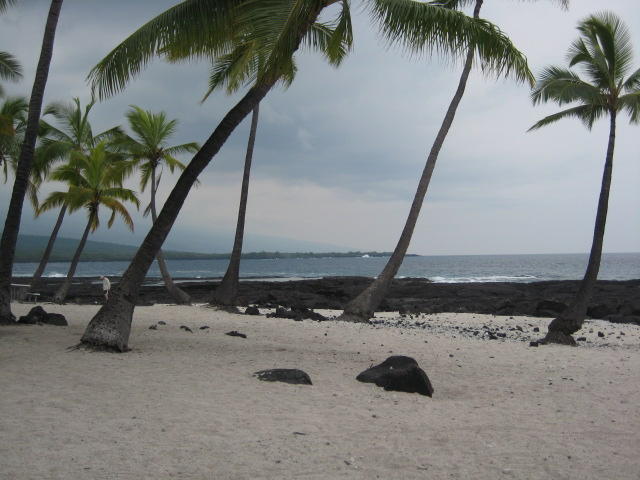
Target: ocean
[{"x": 439, "y": 269}]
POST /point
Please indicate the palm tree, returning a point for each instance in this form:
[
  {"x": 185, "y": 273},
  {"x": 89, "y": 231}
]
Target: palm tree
[
  {"x": 226, "y": 293},
  {"x": 14, "y": 212},
  {"x": 13, "y": 119},
  {"x": 604, "y": 53},
  {"x": 362, "y": 308},
  {"x": 10, "y": 69},
  {"x": 95, "y": 180},
  {"x": 231, "y": 71},
  {"x": 13, "y": 122},
  {"x": 150, "y": 151},
  {"x": 73, "y": 134},
  {"x": 209, "y": 27}
]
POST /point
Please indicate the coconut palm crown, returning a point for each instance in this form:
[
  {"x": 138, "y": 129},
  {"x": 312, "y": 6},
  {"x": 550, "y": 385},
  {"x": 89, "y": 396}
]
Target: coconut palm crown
[
  {"x": 94, "y": 180},
  {"x": 150, "y": 152},
  {"x": 608, "y": 86}
]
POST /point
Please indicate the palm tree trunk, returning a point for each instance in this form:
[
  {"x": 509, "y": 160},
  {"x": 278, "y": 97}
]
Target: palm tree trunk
[
  {"x": 111, "y": 326},
  {"x": 226, "y": 293},
  {"x": 14, "y": 212},
  {"x": 62, "y": 291},
  {"x": 37, "y": 276},
  {"x": 571, "y": 320},
  {"x": 181, "y": 297},
  {"x": 362, "y": 308}
]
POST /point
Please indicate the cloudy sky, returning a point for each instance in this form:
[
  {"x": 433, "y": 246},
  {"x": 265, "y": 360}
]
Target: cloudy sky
[{"x": 339, "y": 154}]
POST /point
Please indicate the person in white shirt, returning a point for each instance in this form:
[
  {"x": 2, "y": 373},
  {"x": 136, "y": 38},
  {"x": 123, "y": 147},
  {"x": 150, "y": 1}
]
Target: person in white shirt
[{"x": 106, "y": 286}]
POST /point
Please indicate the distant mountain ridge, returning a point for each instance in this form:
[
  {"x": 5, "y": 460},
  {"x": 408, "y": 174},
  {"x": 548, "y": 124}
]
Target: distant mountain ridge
[{"x": 30, "y": 248}]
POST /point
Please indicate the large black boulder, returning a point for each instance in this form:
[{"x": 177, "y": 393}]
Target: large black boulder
[
  {"x": 35, "y": 315},
  {"x": 287, "y": 375},
  {"x": 55, "y": 319},
  {"x": 398, "y": 373},
  {"x": 38, "y": 315}
]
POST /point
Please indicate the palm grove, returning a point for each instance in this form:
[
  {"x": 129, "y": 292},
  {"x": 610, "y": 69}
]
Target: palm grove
[{"x": 252, "y": 48}]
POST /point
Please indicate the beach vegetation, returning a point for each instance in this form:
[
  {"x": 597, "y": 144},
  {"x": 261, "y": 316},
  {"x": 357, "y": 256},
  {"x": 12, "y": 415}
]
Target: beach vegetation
[
  {"x": 600, "y": 82},
  {"x": 72, "y": 134},
  {"x": 95, "y": 180},
  {"x": 362, "y": 308},
  {"x": 25, "y": 160},
  {"x": 148, "y": 148},
  {"x": 211, "y": 29}
]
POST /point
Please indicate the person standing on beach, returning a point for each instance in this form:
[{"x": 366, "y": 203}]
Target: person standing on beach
[{"x": 106, "y": 286}]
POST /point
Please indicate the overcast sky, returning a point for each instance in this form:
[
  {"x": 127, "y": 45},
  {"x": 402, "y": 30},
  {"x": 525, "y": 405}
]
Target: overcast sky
[{"x": 339, "y": 154}]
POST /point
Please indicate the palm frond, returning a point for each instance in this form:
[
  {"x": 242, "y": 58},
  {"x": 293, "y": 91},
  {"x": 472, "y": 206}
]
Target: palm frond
[
  {"x": 184, "y": 27},
  {"x": 10, "y": 69},
  {"x": 631, "y": 104},
  {"x": 633, "y": 82},
  {"x": 563, "y": 86},
  {"x": 422, "y": 28},
  {"x": 587, "y": 114},
  {"x": 4, "y": 4}
]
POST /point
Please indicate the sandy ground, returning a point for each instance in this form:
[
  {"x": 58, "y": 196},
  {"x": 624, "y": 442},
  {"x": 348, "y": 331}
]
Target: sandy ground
[{"x": 185, "y": 405}]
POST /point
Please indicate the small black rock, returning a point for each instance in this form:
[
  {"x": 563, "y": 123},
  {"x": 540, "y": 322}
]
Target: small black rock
[
  {"x": 162, "y": 322},
  {"x": 536, "y": 329},
  {"x": 252, "y": 311},
  {"x": 600, "y": 334},
  {"x": 185, "y": 328},
  {"x": 204, "y": 327},
  {"x": 153, "y": 327},
  {"x": 581, "y": 339},
  {"x": 533, "y": 344},
  {"x": 287, "y": 375},
  {"x": 234, "y": 333}
]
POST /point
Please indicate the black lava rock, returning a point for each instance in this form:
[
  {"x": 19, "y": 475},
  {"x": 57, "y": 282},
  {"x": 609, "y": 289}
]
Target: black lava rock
[
  {"x": 600, "y": 334},
  {"x": 549, "y": 308},
  {"x": 55, "y": 319},
  {"x": 287, "y": 375},
  {"x": 252, "y": 311},
  {"x": 234, "y": 333},
  {"x": 533, "y": 344},
  {"x": 35, "y": 315},
  {"x": 185, "y": 328},
  {"x": 39, "y": 315},
  {"x": 398, "y": 373}
]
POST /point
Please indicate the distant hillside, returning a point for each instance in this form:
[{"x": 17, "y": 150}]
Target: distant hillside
[{"x": 30, "y": 248}]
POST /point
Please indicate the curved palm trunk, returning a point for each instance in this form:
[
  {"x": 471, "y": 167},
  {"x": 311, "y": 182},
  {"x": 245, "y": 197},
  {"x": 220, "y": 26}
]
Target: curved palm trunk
[
  {"x": 571, "y": 320},
  {"x": 180, "y": 296},
  {"x": 14, "y": 212},
  {"x": 225, "y": 295},
  {"x": 362, "y": 308},
  {"x": 37, "y": 276},
  {"x": 111, "y": 326},
  {"x": 62, "y": 291}
]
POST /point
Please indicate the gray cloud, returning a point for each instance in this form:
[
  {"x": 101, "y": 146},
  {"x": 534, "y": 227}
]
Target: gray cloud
[{"x": 351, "y": 142}]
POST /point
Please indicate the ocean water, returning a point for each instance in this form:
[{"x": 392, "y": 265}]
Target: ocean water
[{"x": 439, "y": 269}]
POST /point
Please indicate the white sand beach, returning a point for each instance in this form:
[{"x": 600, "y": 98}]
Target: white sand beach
[{"x": 185, "y": 405}]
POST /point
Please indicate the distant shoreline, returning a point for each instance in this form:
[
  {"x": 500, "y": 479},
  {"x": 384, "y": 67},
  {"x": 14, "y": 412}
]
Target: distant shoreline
[{"x": 169, "y": 255}]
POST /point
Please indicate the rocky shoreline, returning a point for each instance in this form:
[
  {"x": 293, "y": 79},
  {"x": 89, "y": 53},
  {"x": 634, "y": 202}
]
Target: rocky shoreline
[{"x": 616, "y": 301}]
